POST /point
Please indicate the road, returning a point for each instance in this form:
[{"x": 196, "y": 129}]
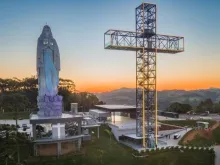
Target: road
[
  {"x": 174, "y": 142},
  {"x": 217, "y": 155},
  {"x": 212, "y": 116}
]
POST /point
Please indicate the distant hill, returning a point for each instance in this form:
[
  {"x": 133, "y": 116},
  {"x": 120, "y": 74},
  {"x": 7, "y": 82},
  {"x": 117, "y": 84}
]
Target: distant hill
[{"x": 165, "y": 97}]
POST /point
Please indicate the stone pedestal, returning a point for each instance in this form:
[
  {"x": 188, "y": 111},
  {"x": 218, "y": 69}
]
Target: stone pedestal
[{"x": 50, "y": 105}]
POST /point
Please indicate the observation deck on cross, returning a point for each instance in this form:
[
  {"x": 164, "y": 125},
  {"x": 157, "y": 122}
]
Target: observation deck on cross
[{"x": 126, "y": 40}]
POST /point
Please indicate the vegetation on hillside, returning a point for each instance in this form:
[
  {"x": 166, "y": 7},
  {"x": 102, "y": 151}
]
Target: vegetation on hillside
[
  {"x": 165, "y": 97},
  {"x": 202, "y": 137},
  {"x": 200, "y": 141},
  {"x": 179, "y": 108},
  {"x": 21, "y": 95},
  {"x": 13, "y": 147},
  {"x": 206, "y": 105}
]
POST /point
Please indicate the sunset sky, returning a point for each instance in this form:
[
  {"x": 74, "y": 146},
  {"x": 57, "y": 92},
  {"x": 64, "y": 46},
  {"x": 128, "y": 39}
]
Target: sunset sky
[{"x": 79, "y": 25}]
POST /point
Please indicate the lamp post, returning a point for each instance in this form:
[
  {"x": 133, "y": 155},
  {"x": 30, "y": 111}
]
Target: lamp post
[{"x": 16, "y": 121}]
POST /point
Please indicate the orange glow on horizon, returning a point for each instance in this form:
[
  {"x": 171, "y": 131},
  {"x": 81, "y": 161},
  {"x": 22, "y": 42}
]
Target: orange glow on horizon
[
  {"x": 183, "y": 85},
  {"x": 105, "y": 85}
]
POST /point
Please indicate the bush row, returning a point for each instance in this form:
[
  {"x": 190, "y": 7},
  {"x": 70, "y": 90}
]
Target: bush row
[
  {"x": 174, "y": 148},
  {"x": 8, "y": 127}
]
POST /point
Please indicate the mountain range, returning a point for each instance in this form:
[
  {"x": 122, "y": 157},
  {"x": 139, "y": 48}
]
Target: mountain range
[{"x": 165, "y": 97}]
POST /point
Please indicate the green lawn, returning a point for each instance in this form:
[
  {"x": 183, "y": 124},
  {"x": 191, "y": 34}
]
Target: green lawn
[
  {"x": 100, "y": 151},
  {"x": 188, "y": 123},
  {"x": 11, "y": 115},
  {"x": 216, "y": 135}
]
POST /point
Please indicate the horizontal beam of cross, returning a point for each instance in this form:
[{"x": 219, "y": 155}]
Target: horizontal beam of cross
[{"x": 126, "y": 40}]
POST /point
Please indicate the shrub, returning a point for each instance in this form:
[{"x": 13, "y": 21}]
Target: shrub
[
  {"x": 162, "y": 149},
  {"x": 147, "y": 151},
  {"x": 138, "y": 153},
  {"x": 143, "y": 151},
  {"x": 172, "y": 148},
  {"x": 182, "y": 147},
  {"x": 167, "y": 149},
  {"x": 157, "y": 150},
  {"x": 187, "y": 147},
  {"x": 152, "y": 150},
  {"x": 135, "y": 152},
  {"x": 216, "y": 135}
]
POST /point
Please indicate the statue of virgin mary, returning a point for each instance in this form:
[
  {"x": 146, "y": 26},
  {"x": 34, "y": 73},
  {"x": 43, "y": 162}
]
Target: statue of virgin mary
[
  {"x": 48, "y": 63},
  {"x": 48, "y": 67}
]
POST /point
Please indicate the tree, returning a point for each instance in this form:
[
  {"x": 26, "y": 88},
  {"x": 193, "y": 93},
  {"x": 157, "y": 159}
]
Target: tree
[
  {"x": 24, "y": 92},
  {"x": 101, "y": 103},
  {"x": 67, "y": 84},
  {"x": 216, "y": 108},
  {"x": 13, "y": 101},
  {"x": 206, "y": 105},
  {"x": 179, "y": 108},
  {"x": 29, "y": 83},
  {"x": 8, "y": 85},
  {"x": 65, "y": 93}
]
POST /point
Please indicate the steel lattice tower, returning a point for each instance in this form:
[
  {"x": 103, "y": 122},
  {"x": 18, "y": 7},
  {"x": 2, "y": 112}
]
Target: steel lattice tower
[{"x": 147, "y": 43}]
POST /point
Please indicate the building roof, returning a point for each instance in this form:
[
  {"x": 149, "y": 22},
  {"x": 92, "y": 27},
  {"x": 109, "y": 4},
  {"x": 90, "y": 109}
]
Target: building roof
[
  {"x": 134, "y": 136},
  {"x": 167, "y": 112},
  {"x": 52, "y": 140},
  {"x": 90, "y": 126},
  {"x": 98, "y": 111},
  {"x": 116, "y": 107},
  {"x": 202, "y": 122},
  {"x": 35, "y": 119}
]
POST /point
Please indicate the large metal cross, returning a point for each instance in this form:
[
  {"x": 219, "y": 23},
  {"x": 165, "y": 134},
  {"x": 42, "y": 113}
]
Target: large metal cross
[{"x": 146, "y": 43}]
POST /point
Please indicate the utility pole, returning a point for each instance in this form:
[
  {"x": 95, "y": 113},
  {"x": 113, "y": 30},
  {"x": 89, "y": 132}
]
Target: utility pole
[{"x": 16, "y": 119}]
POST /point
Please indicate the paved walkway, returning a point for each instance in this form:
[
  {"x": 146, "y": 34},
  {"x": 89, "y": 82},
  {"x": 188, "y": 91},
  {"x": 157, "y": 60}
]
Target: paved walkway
[
  {"x": 174, "y": 142},
  {"x": 217, "y": 155}
]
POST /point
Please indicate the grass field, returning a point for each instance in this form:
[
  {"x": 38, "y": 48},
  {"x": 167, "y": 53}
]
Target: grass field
[
  {"x": 201, "y": 141},
  {"x": 11, "y": 115},
  {"x": 106, "y": 152}
]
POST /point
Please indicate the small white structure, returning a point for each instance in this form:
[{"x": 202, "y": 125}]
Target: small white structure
[
  {"x": 85, "y": 131},
  {"x": 205, "y": 118},
  {"x": 201, "y": 124},
  {"x": 99, "y": 114},
  {"x": 74, "y": 107},
  {"x": 58, "y": 131}
]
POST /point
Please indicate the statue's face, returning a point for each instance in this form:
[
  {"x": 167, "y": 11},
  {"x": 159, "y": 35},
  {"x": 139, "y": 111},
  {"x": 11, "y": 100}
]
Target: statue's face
[
  {"x": 47, "y": 36},
  {"x": 47, "y": 32}
]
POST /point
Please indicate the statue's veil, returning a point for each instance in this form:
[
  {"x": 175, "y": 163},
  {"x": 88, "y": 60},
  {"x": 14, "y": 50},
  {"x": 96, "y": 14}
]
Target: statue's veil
[{"x": 43, "y": 34}]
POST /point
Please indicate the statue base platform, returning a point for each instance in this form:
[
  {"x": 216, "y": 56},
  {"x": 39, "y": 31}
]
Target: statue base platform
[{"x": 50, "y": 106}]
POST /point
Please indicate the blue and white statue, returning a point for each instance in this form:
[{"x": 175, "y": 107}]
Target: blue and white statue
[{"x": 48, "y": 67}]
